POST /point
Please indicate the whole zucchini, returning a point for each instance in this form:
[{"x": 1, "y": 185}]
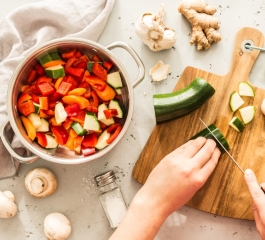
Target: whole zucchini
[{"x": 177, "y": 104}]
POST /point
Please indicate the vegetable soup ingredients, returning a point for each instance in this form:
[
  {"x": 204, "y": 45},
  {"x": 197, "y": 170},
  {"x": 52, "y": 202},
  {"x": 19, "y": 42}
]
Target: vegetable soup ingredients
[
  {"x": 245, "y": 89},
  {"x": 57, "y": 226},
  {"x": 153, "y": 32},
  {"x": 160, "y": 71},
  {"x": 247, "y": 113},
  {"x": 204, "y": 24},
  {"x": 68, "y": 102},
  {"x": 235, "y": 101},
  {"x": 8, "y": 208},
  {"x": 177, "y": 104},
  {"x": 237, "y": 124},
  {"x": 40, "y": 182}
]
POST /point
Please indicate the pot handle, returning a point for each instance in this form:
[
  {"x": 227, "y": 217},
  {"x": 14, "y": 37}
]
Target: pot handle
[
  {"x": 3, "y": 129},
  {"x": 135, "y": 56}
]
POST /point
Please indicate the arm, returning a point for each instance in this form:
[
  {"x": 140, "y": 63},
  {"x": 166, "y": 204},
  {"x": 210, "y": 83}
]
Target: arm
[
  {"x": 258, "y": 201},
  {"x": 171, "y": 184}
]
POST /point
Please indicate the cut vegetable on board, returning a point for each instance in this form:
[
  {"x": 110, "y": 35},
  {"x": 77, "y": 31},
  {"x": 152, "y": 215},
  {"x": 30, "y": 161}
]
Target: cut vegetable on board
[
  {"x": 177, "y": 104},
  {"x": 217, "y": 133},
  {"x": 235, "y": 101},
  {"x": 247, "y": 113},
  {"x": 237, "y": 124},
  {"x": 245, "y": 89}
]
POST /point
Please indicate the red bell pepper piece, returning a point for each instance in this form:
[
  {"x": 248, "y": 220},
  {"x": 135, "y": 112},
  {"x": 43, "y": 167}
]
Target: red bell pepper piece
[
  {"x": 80, "y": 64},
  {"x": 64, "y": 88},
  {"x": 31, "y": 76},
  {"x": 90, "y": 140},
  {"x": 45, "y": 89},
  {"x": 54, "y": 97},
  {"x": 72, "y": 110},
  {"x": 93, "y": 102},
  {"x": 99, "y": 71},
  {"x": 69, "y": 54},
  {"x": 96, "y": 58},
  {"x": 80, "y": 117},
  {"x": 25, "y": 105},
  {"x": 78, "y": 54},
  {"x": 32, "y": 89},
  {"x": 69, "y": 63},
  {"x": 76, "y": 73},
  {"x": 60, "y": 134},
  {"x": 35, "y": 98},
  {"x": 102, "y": 125},
  {"x": 107, "y": 65},
  {"x": 87, "y": 151},
  {"x": 115, "y": 130},
  {"x": 51, "y": 104},
  {"x": 40, "y": 70},
  {"x": 95, "y": 82},
  {"x": 109, "y": 113},
  {"x": 42, "y": 140},
  {"x": 43, "y": 80},
  {"x": 86, "y": 73},
  {"x": 70, "y": 79}
]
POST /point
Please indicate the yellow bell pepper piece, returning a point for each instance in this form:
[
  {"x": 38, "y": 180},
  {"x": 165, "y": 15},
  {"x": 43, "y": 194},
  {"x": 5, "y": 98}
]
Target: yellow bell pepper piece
[
  {"x": 31, "y": 131},
  {"x": 77, "y": 91},
  {"x": 71, "y": 99}
]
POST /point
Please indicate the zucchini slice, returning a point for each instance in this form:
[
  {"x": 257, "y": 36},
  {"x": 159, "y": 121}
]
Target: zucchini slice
[
  {"x": 217, "y": 133},
  {"x": 245, "y": 89},
  {"x": 237, "y": 124},
  {"x": 177, "y": 104},
  {"x": 235, "y": 101},
  {"x": 247, "y": 113}
]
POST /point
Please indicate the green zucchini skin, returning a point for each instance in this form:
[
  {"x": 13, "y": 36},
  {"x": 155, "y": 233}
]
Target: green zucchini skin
[
  {"x": 173, "y": 105},
  {"x": 217, "y": 133}
]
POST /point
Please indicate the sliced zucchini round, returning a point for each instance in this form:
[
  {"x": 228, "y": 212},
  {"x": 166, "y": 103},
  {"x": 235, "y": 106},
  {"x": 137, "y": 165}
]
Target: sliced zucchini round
[
  {"x": 235, "y": 101},
  {"x": 247, "y": 113},
  {"x": 245, "y": 89},
  {"x": 237, "y": 124}
]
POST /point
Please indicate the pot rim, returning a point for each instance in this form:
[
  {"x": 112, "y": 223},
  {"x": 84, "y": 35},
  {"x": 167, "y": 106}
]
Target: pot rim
[{"x": 81, "y": 159}]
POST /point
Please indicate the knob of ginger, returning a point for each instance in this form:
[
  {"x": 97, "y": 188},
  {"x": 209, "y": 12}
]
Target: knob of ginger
[{"x": 204, "y": 24}]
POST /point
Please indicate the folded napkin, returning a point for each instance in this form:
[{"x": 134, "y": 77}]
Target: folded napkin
[{"x": 34, "y": 24}]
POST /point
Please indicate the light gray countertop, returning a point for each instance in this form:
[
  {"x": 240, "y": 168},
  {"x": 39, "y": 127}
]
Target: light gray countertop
[{"x": 76, "y": 195}]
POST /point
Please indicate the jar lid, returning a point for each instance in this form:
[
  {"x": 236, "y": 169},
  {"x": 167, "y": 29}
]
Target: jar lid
[{"x": 105, "y": 178}]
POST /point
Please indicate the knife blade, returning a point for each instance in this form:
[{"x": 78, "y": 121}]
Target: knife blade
[{"x": 234, "y": 161}]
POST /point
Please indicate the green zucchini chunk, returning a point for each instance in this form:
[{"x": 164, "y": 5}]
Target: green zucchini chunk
[
  {"x": 217, "y": 133},
  {"x": 173, "y": 105}
]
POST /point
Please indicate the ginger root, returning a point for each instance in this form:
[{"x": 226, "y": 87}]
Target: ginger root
[{"x": 204, "y": 25}]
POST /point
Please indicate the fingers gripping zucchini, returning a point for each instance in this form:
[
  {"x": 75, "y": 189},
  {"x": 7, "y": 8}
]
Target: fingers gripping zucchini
[
  {"x": 177, "y": 104},
  {"x": 217, "y": 133}
]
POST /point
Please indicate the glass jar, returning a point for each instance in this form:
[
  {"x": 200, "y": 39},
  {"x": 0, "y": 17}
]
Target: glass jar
[{"x": 111, "y": 198}]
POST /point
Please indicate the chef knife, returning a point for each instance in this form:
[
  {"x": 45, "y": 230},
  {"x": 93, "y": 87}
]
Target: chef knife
[{"x": 235, "y": 162}]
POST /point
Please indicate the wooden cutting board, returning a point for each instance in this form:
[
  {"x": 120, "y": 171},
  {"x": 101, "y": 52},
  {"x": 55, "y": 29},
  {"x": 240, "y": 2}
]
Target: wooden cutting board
[{"x": 225, "y": 193}]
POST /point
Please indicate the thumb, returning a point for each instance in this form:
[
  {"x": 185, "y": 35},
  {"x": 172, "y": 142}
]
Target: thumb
[{"x": 254, "y": 189}]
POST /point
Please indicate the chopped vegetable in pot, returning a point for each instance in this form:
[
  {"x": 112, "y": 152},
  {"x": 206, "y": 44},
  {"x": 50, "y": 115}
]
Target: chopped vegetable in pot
[{"x": 70, "y": 100}]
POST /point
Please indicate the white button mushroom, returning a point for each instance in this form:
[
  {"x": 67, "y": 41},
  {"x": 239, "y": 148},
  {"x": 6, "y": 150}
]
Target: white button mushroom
[
  {"x": 8, "y": 208},
  {"x": 57, "y": 226},
  {"x": 40, "y": 182}
]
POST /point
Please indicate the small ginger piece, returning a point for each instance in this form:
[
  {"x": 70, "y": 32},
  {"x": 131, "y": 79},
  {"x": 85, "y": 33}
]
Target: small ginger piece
[{"x": 204, "y": 24}]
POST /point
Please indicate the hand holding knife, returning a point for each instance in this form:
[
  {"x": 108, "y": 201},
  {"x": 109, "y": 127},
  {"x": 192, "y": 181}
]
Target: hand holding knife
[{"x": 231, "y": 157}]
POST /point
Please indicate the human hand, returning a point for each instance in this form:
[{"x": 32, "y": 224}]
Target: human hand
[
  {"x": 258, "y": 198},
  {"x": 179, "y": 175}
]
